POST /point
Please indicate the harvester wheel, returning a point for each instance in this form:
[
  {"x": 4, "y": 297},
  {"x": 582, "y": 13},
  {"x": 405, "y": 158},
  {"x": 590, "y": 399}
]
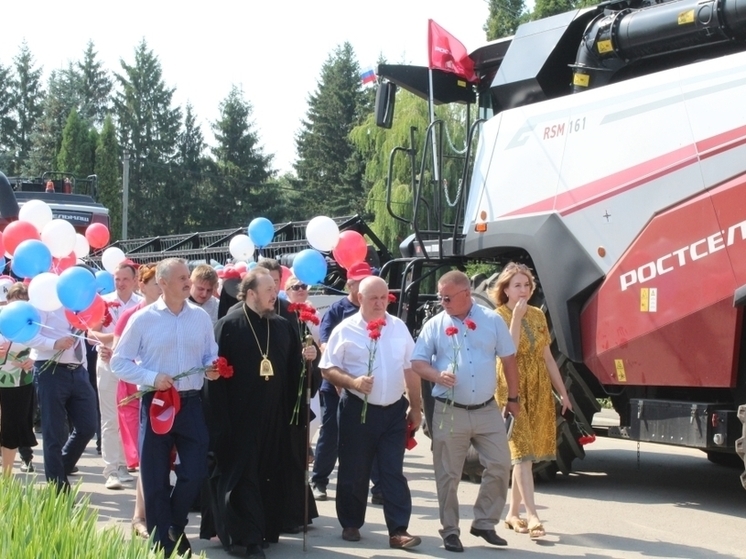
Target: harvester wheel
[{"x": 741, "y": 443}]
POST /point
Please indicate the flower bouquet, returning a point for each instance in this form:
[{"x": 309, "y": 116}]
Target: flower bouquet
[
  {"x": 374, "y": 328},
  {"x": 452, "y": 332},
  {"x": 306, "y": 314}
]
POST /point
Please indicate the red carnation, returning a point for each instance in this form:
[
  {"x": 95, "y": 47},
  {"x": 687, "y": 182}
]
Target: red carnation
[
  {"x": 294, "y": 307},
  {"x": 470, "y": 324},
  {"x": 392, "y": 298},
  {"x": 224, "y": 369},
  {"x": 374, "y": 334},
  {"x": 451, "y": 331}
]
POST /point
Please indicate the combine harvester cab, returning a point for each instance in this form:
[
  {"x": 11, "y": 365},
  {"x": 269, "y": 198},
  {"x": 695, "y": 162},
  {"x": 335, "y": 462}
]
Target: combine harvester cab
[{"x": 611, "y": 158}]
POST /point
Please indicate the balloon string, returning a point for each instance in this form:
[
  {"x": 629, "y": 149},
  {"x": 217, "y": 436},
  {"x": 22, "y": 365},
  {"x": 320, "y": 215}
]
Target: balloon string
[{"x": 94, "y": 340}]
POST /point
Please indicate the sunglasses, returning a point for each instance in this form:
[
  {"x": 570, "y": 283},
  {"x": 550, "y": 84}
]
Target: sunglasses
[
  {"x": 448, "y": 298},
  {"x": 298, "y": 287}
]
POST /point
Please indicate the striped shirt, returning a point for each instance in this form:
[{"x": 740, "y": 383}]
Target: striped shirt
[{"x": 156, "y": 340}]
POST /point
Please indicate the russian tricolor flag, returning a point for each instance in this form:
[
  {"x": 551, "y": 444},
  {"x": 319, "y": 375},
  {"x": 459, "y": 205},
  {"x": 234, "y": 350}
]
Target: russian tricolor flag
[{"x": 368, "y": 76}]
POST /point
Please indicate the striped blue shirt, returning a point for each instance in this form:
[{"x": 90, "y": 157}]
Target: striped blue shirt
[
  {"x": 476, "y": 376},
  {"x": 159, "y": 341}
]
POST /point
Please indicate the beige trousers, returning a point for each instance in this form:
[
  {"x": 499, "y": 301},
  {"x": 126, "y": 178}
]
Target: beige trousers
[{"x": 453, "y": 430}]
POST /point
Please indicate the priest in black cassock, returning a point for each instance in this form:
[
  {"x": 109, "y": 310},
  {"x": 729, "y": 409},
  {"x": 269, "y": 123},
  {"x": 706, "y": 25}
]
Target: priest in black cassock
[{"x": 249, "y": 417}]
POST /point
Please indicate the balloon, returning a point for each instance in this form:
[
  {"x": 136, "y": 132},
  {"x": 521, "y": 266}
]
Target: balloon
[
  {"x": 350, "y": 249},
  {"x": 261, "y": 231},
  {"x": 285, "y": 276},
  {"x": 19, "y": 321},
  {"x": 82, "y": 248},
  {"x": 37, "y": 213},
  {"x": 97, "y": 235},
  {"x": 252, "y": 265},
  {"x": 309, "y": 266},
  {"x": 42, "y": 292},
  {"x": 31, "y": 258},
  {"x": 76, "y": 288},
  {"x": 91, "y": 316},
  {"x": 105, "y": 282},
  {"x": 241, "y": 247},
  {"x": 17, "y": 232},
  {"x": 283, "y": 295},
  {"x": 111, "y": 258},
  {"x": 59, "y": 236},
  {"x": 241, "y": 267},
  {"x": 59, "y": 265},
  {"x": 322, "y": 233}
]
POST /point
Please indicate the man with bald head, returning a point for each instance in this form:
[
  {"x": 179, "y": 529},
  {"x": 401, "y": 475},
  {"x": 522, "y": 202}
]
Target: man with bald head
[{"x": 381, "y": 433}]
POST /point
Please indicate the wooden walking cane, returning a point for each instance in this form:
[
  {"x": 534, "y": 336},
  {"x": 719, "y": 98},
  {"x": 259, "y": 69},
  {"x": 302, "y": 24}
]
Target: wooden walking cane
[{"x": 309, "y": 342}]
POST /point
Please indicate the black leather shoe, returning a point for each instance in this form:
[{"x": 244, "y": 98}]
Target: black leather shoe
[
  {"x": 255, "y": 551},
  {"x": 351, "y": 535},
  {"x": 182, "y": 547},
  {"x": 490, "y": 536},
  {"x": 453, "y": 543}
]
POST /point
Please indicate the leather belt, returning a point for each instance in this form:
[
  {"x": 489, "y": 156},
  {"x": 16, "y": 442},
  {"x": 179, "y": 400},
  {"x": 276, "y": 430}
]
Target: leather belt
[
  {"x": 374, "y": 405},
  {"x": 185, "y": 394},
  {"x": 69, "y": 366},
  {"x": 464, "y": 406}
]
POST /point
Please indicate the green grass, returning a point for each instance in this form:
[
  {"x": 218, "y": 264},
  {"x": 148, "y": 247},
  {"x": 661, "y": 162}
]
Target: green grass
[{"x": 39, "y": 522}]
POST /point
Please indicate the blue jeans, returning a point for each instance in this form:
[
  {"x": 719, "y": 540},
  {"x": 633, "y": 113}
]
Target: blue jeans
[
  {"x": 165, "y": 508},
  {"x": 380, "y": 440},
  {"x": 64, "y": 393}
]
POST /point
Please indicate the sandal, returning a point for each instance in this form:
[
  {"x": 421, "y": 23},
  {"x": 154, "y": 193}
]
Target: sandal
[
  {"x": 140, "y": 528},
  {"x": 517, "y": 524},
  {"x": 536, "y": 531}
]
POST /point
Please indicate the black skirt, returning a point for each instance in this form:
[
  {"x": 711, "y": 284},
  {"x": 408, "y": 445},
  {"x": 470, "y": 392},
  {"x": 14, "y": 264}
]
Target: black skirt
[{"x": 17, "y": 416}]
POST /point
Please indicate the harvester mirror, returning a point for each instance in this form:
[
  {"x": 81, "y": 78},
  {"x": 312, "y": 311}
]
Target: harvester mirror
[{"x": 385, "y": 99}]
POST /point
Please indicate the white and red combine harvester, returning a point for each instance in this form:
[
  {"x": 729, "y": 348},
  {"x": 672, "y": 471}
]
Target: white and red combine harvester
[{"x": 611, "y": 157}]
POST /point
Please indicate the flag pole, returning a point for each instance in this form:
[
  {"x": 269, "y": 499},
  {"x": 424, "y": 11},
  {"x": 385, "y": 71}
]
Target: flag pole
[{"x": 436, "y": 171}]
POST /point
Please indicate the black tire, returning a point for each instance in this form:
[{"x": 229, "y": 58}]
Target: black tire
[
  {"x": 741, "y": 443},
  {"x": 726, "y": 459}
]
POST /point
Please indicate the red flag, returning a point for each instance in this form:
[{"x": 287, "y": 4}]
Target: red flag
[{"x": 449, "y": 54}]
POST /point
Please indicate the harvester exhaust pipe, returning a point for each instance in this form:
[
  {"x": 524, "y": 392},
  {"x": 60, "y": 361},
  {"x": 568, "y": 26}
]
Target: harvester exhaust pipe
[{"x": 614, "y": 39}]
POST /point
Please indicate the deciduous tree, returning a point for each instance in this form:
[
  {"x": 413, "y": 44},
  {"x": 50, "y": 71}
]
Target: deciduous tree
[{"x": 109, "y": 179}]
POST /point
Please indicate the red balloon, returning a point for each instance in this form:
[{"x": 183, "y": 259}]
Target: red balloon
[
  {"x": 59, "y": 265},
  {"x": 241, "y": 267},
  {"x": 17, "y": 232},
  {"x": 90, "y": 317},
  {"x": 97, "y": 235},
  {"x": 350, "y": 249}
]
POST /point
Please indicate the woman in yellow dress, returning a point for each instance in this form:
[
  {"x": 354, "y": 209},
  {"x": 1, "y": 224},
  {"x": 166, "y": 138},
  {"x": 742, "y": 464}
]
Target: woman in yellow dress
[{"x": 534, "y": 437}]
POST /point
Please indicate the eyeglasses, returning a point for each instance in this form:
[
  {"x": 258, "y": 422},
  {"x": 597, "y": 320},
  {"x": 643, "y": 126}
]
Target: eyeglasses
[
  {"x": 298, "y": 287},
  {"x": 448, "y": 298}
]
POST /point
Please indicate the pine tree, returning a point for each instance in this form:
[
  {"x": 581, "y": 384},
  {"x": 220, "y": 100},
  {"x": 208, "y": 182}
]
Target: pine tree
[
  {"x": 75, "y": 152},
  {"x": 94, "y": 87},
  {"x": 7, "y": 119},
  {"x": 242, "y": 165},
  {"x": 46, "y": 139},
  {"x": 107, "y": 171},
  {"x": 148, "y": 127},
  {"x": 27, "y": 99},
  {"x": 504, "y": 18},
  {"x": 329, "y": 169},
  {"x": 189, "y": 167}
]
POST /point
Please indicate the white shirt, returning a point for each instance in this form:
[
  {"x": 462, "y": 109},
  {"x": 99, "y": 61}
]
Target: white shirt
[
  {"x": 116, "y": 312},
  {"x": 210, "y": 307},
  {"x": 163, "y": 342},
  {"x": 55, "y": 326},
  {"x": 349, "y": 349}
]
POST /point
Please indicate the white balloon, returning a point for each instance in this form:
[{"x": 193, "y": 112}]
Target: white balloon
[
  {"x": 82, "y": 248},
  {"x": 241, "y": 247},
  {"x": 111, "y": 258},
  {"x": 37, "y": 213},
  {"x": 59, "y": 236},
  {"x": 42, "y": 292},
  {"x": 5, "y": 284},
  {"x": 322, "y": 233}
]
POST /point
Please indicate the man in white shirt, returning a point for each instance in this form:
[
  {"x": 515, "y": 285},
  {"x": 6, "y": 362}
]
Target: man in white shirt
[
  {"x": 204, "y": 282},
  {"x": 115, "y": 465},
  {"x": 380, "y": 432}
]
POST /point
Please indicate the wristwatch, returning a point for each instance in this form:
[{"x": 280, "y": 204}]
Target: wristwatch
[{"x": 514, "y": 400}]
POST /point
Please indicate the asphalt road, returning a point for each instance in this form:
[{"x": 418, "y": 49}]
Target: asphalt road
[{"x": 670, "y": 503}]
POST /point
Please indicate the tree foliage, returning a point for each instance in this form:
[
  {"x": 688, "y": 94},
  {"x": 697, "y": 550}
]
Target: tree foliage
[
  {"x": 93, "y": 86},
  {"x": 148, "y": 127},
  {"x": 504, "y": 18},
  {"x": 329, "y": 168},
  {"x": 28, "y": 96},
  {"x": 76, "y": 151},
  {"x": 109, "y": 181}
]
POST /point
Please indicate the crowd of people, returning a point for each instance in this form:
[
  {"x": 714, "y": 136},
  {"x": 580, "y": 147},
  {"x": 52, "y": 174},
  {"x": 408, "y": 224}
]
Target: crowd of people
[{"x": 212, "y": 384}]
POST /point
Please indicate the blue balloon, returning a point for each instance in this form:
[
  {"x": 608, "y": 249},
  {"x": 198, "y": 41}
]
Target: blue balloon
[
  {"x": 30, "y": 259},
  {"x": 309, "y": 266},
  {"x": 19, "y": 321},
  {"x": 76, "y": 288},
  {"x": 105, "y": 282},
  {"x": 261, "y": 231},
  {"x": 283, "y": 295},
  {"x": 251, "y": 265}
]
